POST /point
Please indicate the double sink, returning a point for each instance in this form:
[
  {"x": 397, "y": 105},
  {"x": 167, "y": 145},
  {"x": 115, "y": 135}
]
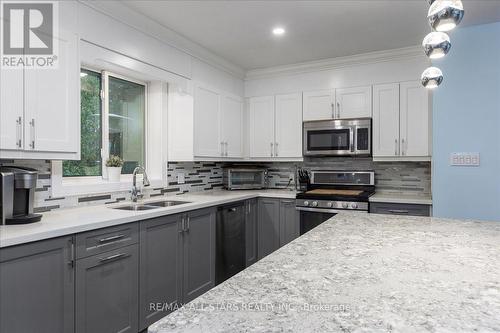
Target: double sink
[{"x": 151, "y": 205}]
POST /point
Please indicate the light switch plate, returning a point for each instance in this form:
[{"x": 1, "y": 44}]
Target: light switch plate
[
  {"x": 464, "y": 159},
  {"x": 180, "y": 178}
]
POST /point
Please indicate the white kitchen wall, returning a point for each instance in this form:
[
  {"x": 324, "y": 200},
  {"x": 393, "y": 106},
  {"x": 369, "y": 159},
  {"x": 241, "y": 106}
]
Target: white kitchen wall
[{"x": 378, "y": 67}]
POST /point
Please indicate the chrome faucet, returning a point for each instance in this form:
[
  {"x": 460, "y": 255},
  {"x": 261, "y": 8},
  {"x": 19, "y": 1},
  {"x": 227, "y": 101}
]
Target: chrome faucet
[{"x": 136, "y": 192}]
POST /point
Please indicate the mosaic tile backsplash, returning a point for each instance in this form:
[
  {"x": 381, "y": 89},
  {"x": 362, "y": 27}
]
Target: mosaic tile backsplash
[{"x": 390, "y": 177}]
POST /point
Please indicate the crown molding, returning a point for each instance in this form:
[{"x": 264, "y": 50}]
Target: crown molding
[
  {"x": 121, "y": 12},
  {"x": 334, "y": 63}
]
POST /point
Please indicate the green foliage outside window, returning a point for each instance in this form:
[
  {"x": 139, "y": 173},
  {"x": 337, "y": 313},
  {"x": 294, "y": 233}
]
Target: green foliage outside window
[{"x": 91, "y": 132}]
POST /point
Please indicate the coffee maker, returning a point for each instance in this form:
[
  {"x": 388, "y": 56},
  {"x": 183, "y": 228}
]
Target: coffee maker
[{"x": 17, "y": 194}]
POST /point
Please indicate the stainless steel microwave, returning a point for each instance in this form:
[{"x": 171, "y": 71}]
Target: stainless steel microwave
[
  {"x": 341, "y": 137},
  {"x": 244, "y": 178}
]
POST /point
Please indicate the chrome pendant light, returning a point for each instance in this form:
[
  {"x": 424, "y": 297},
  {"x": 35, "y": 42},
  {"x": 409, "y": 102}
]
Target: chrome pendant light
[
  {"x": 445, "y": 15},
  {"x": 432, "y": 77},
  {"x": 436, "y": 45}
]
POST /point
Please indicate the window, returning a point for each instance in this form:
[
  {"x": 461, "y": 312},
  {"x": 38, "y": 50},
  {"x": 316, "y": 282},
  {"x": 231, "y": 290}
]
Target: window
[{"x": 114, "y": 125}]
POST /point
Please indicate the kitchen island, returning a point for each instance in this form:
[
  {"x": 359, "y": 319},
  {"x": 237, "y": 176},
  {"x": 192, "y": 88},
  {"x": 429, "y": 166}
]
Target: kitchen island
[{"x": 361, "y": 273}]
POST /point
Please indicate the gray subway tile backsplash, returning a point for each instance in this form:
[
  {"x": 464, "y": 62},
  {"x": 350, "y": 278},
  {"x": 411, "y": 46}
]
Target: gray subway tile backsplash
[{"x": 390, "y": 177}]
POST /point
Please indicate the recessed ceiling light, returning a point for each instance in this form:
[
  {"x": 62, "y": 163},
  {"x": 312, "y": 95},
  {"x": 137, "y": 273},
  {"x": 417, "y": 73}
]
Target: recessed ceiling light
[{"x": 278, "y": 31}]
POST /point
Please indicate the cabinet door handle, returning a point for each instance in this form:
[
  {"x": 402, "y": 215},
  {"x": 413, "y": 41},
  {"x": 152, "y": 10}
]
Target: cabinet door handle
[
  {"x": 113, "y": 257},
  {"x": 188, "y": 224},
  {"x": 71, "y": 261},
  {"x": 182, "y": 225},
  {"x": 222, "y": 148},
  {"x": 19, "y": 132},
  {"x": 403, "y": 151},
  {"x": 333, "y": 110},
  {"x": 396, "y": 147},
  {"x": 227, "y": 148},
  {"x": 338, "y": 109},
  {"x": 112, "y": 238},
  {"x": 272, "y": 149},
  {"x": 32, "y": 124},
  {"x": 276, "y": 149}
]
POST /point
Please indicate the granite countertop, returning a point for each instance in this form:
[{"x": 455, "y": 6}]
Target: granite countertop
[
  {"x": 403, "y": 198},
  {"x": 361, "y": 273},
  {"x": 68, "y": 221}
]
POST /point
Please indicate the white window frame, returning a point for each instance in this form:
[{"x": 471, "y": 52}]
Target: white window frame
[{"x": 99, "y": 184}]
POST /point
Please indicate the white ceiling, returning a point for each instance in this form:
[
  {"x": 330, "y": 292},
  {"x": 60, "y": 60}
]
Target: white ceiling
[{"x": 240, "y": 31}]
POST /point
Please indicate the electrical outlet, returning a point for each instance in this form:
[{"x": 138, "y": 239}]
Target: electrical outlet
[
  {"x": 180, "y": 178},
  {"x": 464, "y": 159}
]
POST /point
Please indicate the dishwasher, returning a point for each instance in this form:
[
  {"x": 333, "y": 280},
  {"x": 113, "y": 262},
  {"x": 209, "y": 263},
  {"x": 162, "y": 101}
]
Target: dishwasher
[{"x": 230, "y": 241}]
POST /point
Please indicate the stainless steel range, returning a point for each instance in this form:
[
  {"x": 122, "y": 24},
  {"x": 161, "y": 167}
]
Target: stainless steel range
[{"x": 329, "y": 192}]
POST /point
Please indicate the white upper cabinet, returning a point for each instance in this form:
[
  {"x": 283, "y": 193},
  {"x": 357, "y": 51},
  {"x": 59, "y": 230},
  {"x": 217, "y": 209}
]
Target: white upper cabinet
[
  {"x": 232, "y": 126},
  {"x": 261, "y": 127},
  {"x": 415, "y": 120},
  {"x": 353, "y": 102},
  {"x": 288, "y": 122},
  {"x": 40, "y": 108},
  {"x": 52, "y": 102},
  {"x": 11, "y": 109},
  {"x": 207, "y": 123},
  {"x": 275, "y": 127},
  {"x": 318, "y": 105},
  {"x": 401, "y": 121},
  {"x": 207, "y": 141},
  {"x": 386, "y": 120}
]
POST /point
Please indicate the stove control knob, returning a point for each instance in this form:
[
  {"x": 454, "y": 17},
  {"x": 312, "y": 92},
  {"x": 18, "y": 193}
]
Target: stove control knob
[
  {"x": 329, "y": 205},
  {"x": 354, "y": 205},
  {"x": 306, "y": 203},
  {"x": 315, "y": 204},
  {"x": 345, "y": 205}
]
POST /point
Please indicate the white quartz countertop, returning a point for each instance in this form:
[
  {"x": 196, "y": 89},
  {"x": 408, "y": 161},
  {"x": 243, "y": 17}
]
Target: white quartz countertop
[
  {"x": 401, "y": 198},
  {"x": 361, "y": 273},
  {"x": 73, "y": 220}
]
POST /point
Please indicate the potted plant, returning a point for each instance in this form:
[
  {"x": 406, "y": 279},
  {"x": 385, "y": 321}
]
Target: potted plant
[{"x": 114, "y": 167}]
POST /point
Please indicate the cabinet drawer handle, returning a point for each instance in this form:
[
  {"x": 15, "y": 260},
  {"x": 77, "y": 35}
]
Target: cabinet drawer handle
[
  {"x": 114, "y": 257},
  {"x": 287, "y": 202},
  {"x": 398, "y": 211},
  {"x": 112, "y": 238}
]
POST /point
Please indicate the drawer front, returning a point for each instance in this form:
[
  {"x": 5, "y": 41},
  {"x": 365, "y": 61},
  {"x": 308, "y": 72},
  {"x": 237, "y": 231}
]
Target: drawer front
[
  {"x": 102, "y": 240},
  {"x": 399, "y": 209}
]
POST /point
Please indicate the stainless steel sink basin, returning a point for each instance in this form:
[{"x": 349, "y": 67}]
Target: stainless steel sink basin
[
  {"x": 166, "y": 203},
  {"x": 135, "y": 207},
  {"x": 151, "y": 205}
]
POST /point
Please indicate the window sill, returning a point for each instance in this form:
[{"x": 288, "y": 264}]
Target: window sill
[{"x": 96, "y": 185}]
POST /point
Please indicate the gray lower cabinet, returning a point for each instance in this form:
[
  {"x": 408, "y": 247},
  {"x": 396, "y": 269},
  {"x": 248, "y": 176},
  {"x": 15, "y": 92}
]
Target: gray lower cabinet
[
  {"x": 268, "y": 226},
  {"x": 107, "y": 292},
  {"x": 160, "y": 278},
  {"x": 289, "y": 222},
  {"x": 400, "y": 209},
  {"x": 278, "y": 224},
  {"x": 198, "y": 253},
  {"x": 251, "y": 231},
  {"x": 37, "y": 287}
]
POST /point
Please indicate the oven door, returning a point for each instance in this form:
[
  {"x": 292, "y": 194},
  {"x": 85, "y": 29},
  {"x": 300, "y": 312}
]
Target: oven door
[
  {"x": 310, "y": 218},
  {"x": 337, "y": 140}
]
